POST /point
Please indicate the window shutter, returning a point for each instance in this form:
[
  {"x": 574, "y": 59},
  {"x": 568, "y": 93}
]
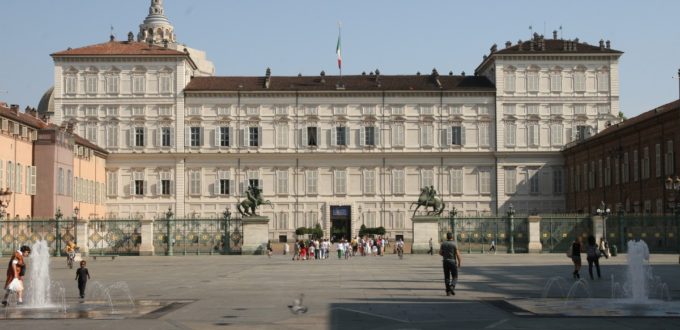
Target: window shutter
[
  {"x": 303, "y": 137},
  {"x": 347, "y": 135},
  {"x": 231, "y": 137},
  {"x": 159, "y": 184},
  {"x": 131, "y": 137},
  {"x": 217, "y": 137},
  {"x": 159, "y": 137},
  {"x": 146, "y": 137},
  {"x": 376, "y": 132},
  {"x": 362, "y": 136},
  {"x": 245, "y": 136},
  {"x": 216, "y": 186},
  {"x": 232, "y": 187},
  {"x": 260, "y": 184},
  {"x": 242, "y": 187},
  {"x": 462, "y": 135},
  {"x": 187, "y": 137},
  {"x": 395, "y": 135},
  {"x": 447, "y": 135},
  {"x": 132, "y": 184},
  {"x": 318, "y": 136},
  {"x": 334, "y": 136},
  {"x": 569, "y": 135},
  {"x": 146, "y": 190},
  {"x": 172, "y": 136},
  {"x": 259, "y": 136},
  {"x": 201, "y": 135}
]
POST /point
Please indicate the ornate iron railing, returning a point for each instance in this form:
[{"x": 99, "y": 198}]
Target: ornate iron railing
[
  {"x": 660, "y": 232},
  {"x": 198, "y": 236},
  {"x": 121, "y": 237},
  {"x": 559, "y": 231},
  {"x": 476, "y": 234}
]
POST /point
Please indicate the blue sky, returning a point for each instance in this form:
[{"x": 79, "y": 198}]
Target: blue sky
[{"x": 396, "y": 36}]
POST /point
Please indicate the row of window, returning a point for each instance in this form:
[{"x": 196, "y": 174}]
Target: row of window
[
  {"x": 19, "y": 179},
  {"x": 630, "y": 167},
  {"x": 114, "y": 111},
  {"x": 553, "y": 109},
  {"x": 530, "y": 181},
  {"x": 224, "y": 183},
  {"x": 109, "y": 83},
  {"x": 337, "y": 110},
  {"x": 556, "y": 135},
  {"x": 82, "y": 190},
  {"x": 531, "y": 81},
  {"x": 370, "y": 219},
  {"x": 17, "y": 129}
]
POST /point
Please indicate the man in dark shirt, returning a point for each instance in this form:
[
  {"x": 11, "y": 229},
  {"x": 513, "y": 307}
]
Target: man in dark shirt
[{"x": 451, "y": 260}]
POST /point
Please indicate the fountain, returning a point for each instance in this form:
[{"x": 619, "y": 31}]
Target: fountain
[
  {"x": 39, "y": 284},
  {"x": 642, "y": 294}
]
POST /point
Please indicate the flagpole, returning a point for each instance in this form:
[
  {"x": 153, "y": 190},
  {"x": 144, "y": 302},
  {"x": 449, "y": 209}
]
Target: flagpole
[{"x": 339, "y": 49}]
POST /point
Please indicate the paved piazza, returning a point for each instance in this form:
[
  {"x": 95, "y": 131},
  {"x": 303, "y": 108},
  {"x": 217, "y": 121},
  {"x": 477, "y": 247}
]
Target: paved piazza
[{"x": 252, "y": 292}]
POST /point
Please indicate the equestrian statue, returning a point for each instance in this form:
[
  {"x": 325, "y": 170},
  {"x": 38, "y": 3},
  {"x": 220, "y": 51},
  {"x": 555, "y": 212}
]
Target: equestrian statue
[
  {"x": 248, "y": 206},
  {"x": 428, "y": 198}
]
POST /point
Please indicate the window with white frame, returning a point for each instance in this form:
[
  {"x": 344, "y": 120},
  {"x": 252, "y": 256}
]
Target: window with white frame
[
  {"x": 282, "y": 222},
  {"x": 139, "y": 136},
  {"x": 368, "y": 110},
  {"x": 311, "y": 181},
  {"x": 533, "y": 109},
  {"x": 91, "y": 132},
  {"x": 222, "y": 136},
  {"x": 509, "y": 80},
  {"x": 558, "y": 180},
  {"x": 533, "y": 132},
  {"x": 138, "y": 110},
  {"x": 426, "y": 110},
  {"x": 340, "y": 136},
  {"x": 10, "y": 176},
  {"x": 426, "y": 135},
  {"x": 510, "y": 134},
  {"x": 483, "y": 110},
  {"x": 194, "y": 110},
  {"x": 556, "y": 82},
  {"x": 91, "y": 111},
  {"x": 31, "y": 186},
  {"x": 484, "y": 181},
  {"x": 399, "y": 222},
  {"x": 457, "y": 181},
  {"x": 112, "y": 83},
  {"x": 340, "y": 110},
  {"x": 509, "y": 109},
  {"x": 223, "y": 184},
  {"x": 225, "y": 110},
  {"x": 282, "y": 135},
  {"x": 195, "y": 136},
  {"x": 398, "y": 184},
  {"x": 164, "y": 183},
  {"x": 426, "y": 178},
  {"x": 282, "y": 182},
  {"x": 166, "y": 136},
  {"x": 534, "y": 184},
  {"x": 603, "y": 109},
  {"x": 340, "y": 178},
  {"x": 456, "y": 110},
  {"x": 484, "y": 134},
  {"x": 657, "y": 160},
  {"x": 166, "y": 83},
  {"x": 369, "y": 136},
  {"x": 555, "y": 109},
  {"x": 510, "y": 180},
  {"x": 252, "y": 110},
  {"x": 195, "y": 179},
  {"x": 310, "y": 136},
  {"x": 457, "y": 134},
  {"x": 60, "y": 179},
  {"x": 369, "y": 182},
  {"x": 70, "y": 84},
  {"x": 312, "y": 110},
  {"x": 579, "y": 109},
  {"x": 556, "y": 134},
  {"x": 70, "y": 110},
  {"x": 251, "y": 136},
  {"x": 20, "y": 177},
  {"x": 369, "y": 219},
  {"x": 138, "y": 183},
  {"x": 91, "y": 83},
  {"x": 112, "y": 135},
  {"x": 532, "y": 81},
  {"x": 112, "y": 111},
  {"x": 253, "y": 180},
  {"x": 670, "y": 158},
  {"x": 397, "y": 110},
  {"x": 138, "y": 84},
  {"x": 579, "y": 82},
  {"x": 603, "y": 81},
  {"x": 398, "y": 134},
  {"x": 112, "y": 183}
]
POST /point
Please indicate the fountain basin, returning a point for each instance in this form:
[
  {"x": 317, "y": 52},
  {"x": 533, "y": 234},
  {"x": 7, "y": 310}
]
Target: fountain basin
[
  {"x": 594, "y": 307},
  {"x": 97, "y": 310}
]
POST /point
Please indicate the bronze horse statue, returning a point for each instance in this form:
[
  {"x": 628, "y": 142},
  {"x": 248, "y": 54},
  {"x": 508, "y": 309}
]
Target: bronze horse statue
[
  {"x": 425, "y": 200},
  {"x": 248, "y": 206}
]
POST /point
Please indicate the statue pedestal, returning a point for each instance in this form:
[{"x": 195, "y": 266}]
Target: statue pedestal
[
  {"x": 424, "y": 228},
  {"x": 535, "y": 245},
  {"x": 255, "y": 234}
]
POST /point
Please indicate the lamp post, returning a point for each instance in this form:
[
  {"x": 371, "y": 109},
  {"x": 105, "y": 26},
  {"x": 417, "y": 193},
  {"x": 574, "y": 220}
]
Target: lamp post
[
  {"x": 674, "y": 186},
  {"x": 5, "y": 197},
  {"x": 452, "y": 220},
  {"x": 511, "y": 216},
  {"x": 168, "y": 230},
  {"x": 603, "y": 211},
  {"x": 226, "y": 216},
  {"x": 76, "y": 212},
  {"x": 57, "y": 218}
]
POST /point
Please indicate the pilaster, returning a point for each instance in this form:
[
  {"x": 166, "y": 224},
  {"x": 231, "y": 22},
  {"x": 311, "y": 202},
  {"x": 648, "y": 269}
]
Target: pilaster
[{"x": 535, "y": 245}]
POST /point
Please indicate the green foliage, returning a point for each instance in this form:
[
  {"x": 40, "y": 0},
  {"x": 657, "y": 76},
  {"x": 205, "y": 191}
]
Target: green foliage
[
  {"x": 315, "y": 232},
  {"x": 371, "y": 231}
]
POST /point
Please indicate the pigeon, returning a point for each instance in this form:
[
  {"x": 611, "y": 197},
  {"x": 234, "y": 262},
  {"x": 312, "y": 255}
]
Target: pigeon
[{"x": 297, "y": 307}]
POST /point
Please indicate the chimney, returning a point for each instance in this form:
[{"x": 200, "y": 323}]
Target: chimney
[
  {"x": 508, "y": 44},
  {"x": 14, "y": 108},
  {"x": 112, "y": 38},
  {"x": 564, "y": 46},
  {"x": 323, "y": 76},
  {"x": 519, "y": 44},
  {"x": 267, "y": 78},
  {"x": 451, "y": 73},
  {"x": 609, "y": 44},
  {"x": 462, "y": 73},
  {"x": 377, "y": 72},
  {"x": 131, "y": 37},
  {"x": 601, "y": 44},
  {"x": 531, "y": 45},
  {"x": 554, "y": 34},
  {"x": 493, "y": 48}
]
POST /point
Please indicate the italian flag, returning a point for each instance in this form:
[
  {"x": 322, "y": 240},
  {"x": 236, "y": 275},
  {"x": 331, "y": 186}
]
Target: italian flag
[{"x": 337, "y": 50}]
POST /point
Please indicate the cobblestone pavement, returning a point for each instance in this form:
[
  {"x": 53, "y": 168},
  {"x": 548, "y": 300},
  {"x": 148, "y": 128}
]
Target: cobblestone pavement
[{"x": 253, "y": 292}]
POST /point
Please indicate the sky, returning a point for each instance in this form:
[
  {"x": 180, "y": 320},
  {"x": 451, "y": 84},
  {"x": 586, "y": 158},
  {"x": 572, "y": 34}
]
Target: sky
[{"x": 244, "y": 37}]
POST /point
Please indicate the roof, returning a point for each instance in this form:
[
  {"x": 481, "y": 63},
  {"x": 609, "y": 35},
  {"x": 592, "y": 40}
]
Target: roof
[
  {"x": 118, "y": 48},
  {"x": 628, "y": 123},
  {"x": 79, "y": 139},
  {"x": 46, "y": 103},
  {"x": 22, "y": 117},
  {"x": 349, "y": 83}
]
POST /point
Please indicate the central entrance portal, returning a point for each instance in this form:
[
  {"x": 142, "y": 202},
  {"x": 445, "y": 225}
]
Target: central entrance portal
[{"x": 341, "y": 222}]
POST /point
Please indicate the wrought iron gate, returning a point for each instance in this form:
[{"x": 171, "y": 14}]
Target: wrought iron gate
[{"x": 198, "y": 236}]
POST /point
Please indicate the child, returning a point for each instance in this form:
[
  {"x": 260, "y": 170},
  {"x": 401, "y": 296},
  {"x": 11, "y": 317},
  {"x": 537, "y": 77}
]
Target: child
[{"x": 82, "y": 275}]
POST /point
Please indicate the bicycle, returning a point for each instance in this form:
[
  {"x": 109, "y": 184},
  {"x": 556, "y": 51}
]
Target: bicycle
[
  {"x": 70, "y": 258},
  {"x": 400, "y": 252}
]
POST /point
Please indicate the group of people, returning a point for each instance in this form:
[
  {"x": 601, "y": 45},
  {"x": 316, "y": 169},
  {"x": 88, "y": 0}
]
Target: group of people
[
  {"x": 314, "y": 249},
  {"x": 17, "y": 267},
  {"x": 593, "y": 252}
]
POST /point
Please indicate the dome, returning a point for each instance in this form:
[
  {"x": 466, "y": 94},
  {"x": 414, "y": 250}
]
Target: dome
[{"x": 46, "y": 104}]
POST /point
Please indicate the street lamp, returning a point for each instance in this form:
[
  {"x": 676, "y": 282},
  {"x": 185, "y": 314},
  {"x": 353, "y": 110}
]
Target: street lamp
[
  {"x": 168, "y": 229},
  {"x": 57, "y": 218},
  {"x": 452, "y": 220},
  {"x": 674, "y": 186},
  {"x": 511, "y": 216},
  {"x": 76, "y": 212},
  {"x": 603, "y": 211},
  {"x": 226, "y": 215}
]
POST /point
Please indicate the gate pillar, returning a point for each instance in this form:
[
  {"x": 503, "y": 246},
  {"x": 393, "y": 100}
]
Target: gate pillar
[
  {"x": 599, "y": 227},
  {"x": 82, "y": 236},
  {"x": 535, "y": 245},
  {"x": 424, "y": 228},
  {"x": 146, "y": 248},
  {"x": 255, "y": 234}
]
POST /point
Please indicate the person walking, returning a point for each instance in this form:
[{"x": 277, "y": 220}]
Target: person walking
[
  {"x": 82, "y": 275},
  {"x": 451, "y": 262},
  {"x": 493, "y": 247},
  {"x": 574, "y": 253},
  {"x": 431, "y": 252},
  {"x": 16, "y": 269},
  {"x": 604, "y": 247},
  {"x": 285, "y": 249},
  {"x": 593, "y": 257}
]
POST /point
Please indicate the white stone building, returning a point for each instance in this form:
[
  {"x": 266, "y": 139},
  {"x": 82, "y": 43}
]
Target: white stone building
[{"x": 336, "y": 151}]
